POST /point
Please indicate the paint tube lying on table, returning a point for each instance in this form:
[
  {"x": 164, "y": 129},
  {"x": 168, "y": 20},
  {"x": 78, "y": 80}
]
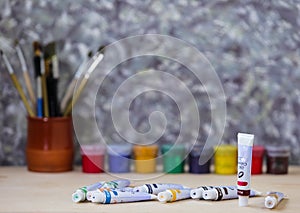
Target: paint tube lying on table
[
  {"x": 157, "y": 188},
  {"x": 197, "y": 193},
  {"x": 225, "y": 193},
  {"x": 273, "y": 199},
  {"x": 91, "y": 194},
  {"x": 171, "y": 195},
  {"x": 116, "y": 196},
  {"x": 81, "y": 193}
]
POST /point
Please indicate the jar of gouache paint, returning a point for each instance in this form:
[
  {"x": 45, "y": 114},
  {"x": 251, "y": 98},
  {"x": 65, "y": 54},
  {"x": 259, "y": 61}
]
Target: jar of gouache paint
[
  {"x": 92, "y": 158},
  {"x": 225, "y": 159},
  {"x": 119, "y": 158},
  {"x": 49, "y": 145},
  {"x": 173, "y": 158},
  {"x": 257, "y": 159},
  {"x": 145, "y": 158},
  {"x": 277, "y": 159},
  {"x": 193, "y": 159}
]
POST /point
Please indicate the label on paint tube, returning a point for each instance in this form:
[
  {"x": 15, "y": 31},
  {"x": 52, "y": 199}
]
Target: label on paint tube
[
  {"x": 225, "y": 193},
  {"x": 114, "y": 196},
  {"x": 172, "y": 195},
  {"x": 157, "y": 188},
  {"x": 116, "y": 184},
  {"x": 90, "y": 194},
  {"x": 245, "y": 144}
]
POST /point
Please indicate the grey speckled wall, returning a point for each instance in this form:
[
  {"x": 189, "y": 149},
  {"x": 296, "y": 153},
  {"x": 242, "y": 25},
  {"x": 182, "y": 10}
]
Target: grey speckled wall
[{"x": 253, "y": 45}]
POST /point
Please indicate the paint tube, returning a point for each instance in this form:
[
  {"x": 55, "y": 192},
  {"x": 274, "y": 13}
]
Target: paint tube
[
  {"x": 197, "y": 193},
  {"x": 273, "y": 199},
  {"x": 116, "y": 184},
  {"x": 91, "y": 194},
  {"x": 114, "y": 196},
  {"x": 172, "y": 195},
  {"x": 81, "y": 193},
  {"x": 245, "y": 144},
  {"x": 225, "y": 193},
  {"x": 157, "y": 188}
]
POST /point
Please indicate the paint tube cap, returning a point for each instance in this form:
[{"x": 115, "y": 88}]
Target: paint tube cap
[
  {"x": 210, "y": 195},
  {"x": 78, "y": 196},
  {"x": 164, "y": 196},
  {"x": 243, "y": 200},
  {"x": 196, "y": 193},
  {"x": 270, "y": 202},
  {"x": 98, "y": 197}
]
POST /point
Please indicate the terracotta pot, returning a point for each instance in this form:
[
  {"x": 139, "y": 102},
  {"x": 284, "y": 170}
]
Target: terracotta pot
[{"x": 49, "y": 144}]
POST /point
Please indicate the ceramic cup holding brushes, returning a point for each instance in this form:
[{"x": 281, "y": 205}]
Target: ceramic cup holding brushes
[{"x": 49, "y": 145}]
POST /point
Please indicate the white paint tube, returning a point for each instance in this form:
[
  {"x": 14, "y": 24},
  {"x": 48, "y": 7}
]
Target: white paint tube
[
  {"x": 157, "y": 188},
  {"x": 172, "y": 195},
  {"x": 245, "y": 144},
  {"x": 114, "y": 196},
  {"x": 273, "y": 199},
  {"x": 81, "y": 193},
  {"x": 225, "y": 193}
]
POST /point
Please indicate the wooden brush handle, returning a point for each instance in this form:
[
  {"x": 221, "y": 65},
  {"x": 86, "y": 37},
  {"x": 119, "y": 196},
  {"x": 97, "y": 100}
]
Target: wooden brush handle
[
  {"x": 29, "y": 88},
  {"x": 22, "y": 95}
]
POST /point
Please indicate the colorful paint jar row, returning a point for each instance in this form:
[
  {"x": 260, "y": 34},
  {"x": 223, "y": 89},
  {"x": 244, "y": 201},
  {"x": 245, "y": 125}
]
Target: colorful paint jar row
[
  {"x": 174, "y": 157},
  {"x": 144, "y": 158},
  {"x": 277, "y": 159}
]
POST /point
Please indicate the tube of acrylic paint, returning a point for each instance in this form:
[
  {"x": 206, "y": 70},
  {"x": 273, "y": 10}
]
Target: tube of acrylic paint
[
  {"x": 225, "y": 193},
  {"x": 197, "y": 193},
  {"x": 245, "y": 144},
  {"x": 157, "y": 188},
  {"x": 273, "y": 199},
  {"x": 91, "y": 194},
  {"x": 81, "y": 193},
  {"x": 114, "y": 196},
  {"x": 116, "y": 184},
  {"x": 172, "y": 195}
]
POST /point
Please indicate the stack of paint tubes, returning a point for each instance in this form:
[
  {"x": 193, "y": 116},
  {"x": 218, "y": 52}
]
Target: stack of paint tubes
[{"x": 121, "y": 191}]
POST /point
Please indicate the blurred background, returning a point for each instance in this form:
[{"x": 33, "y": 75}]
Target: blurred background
[{"x": 253, "y": 46}]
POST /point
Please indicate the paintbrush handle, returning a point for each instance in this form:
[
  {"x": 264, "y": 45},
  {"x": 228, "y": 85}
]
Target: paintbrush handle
[
  {"x": 22, "y": 95},
  {"x": 76, "y": 96},
  {"x": 68, "y": 94},
  {"x": 45, "y": 96},
  {"x": 29, "y": 88}
]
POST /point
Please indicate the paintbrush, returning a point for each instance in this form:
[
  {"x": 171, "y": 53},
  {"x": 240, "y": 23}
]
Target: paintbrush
[
  {"x": 72, "y": 84},
  {"x": 17, "y": 84},
  {"x": 95, "y": 61},
  {"x": 25, "y": 73},
  {"x": 38, "y": 76},
  {"x": 52, "y": 77},
  {"x": 40, "y": 71}
]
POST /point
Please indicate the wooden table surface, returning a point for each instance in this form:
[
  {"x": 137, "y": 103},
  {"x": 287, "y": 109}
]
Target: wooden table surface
[{"x": 24, "y": 191}]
